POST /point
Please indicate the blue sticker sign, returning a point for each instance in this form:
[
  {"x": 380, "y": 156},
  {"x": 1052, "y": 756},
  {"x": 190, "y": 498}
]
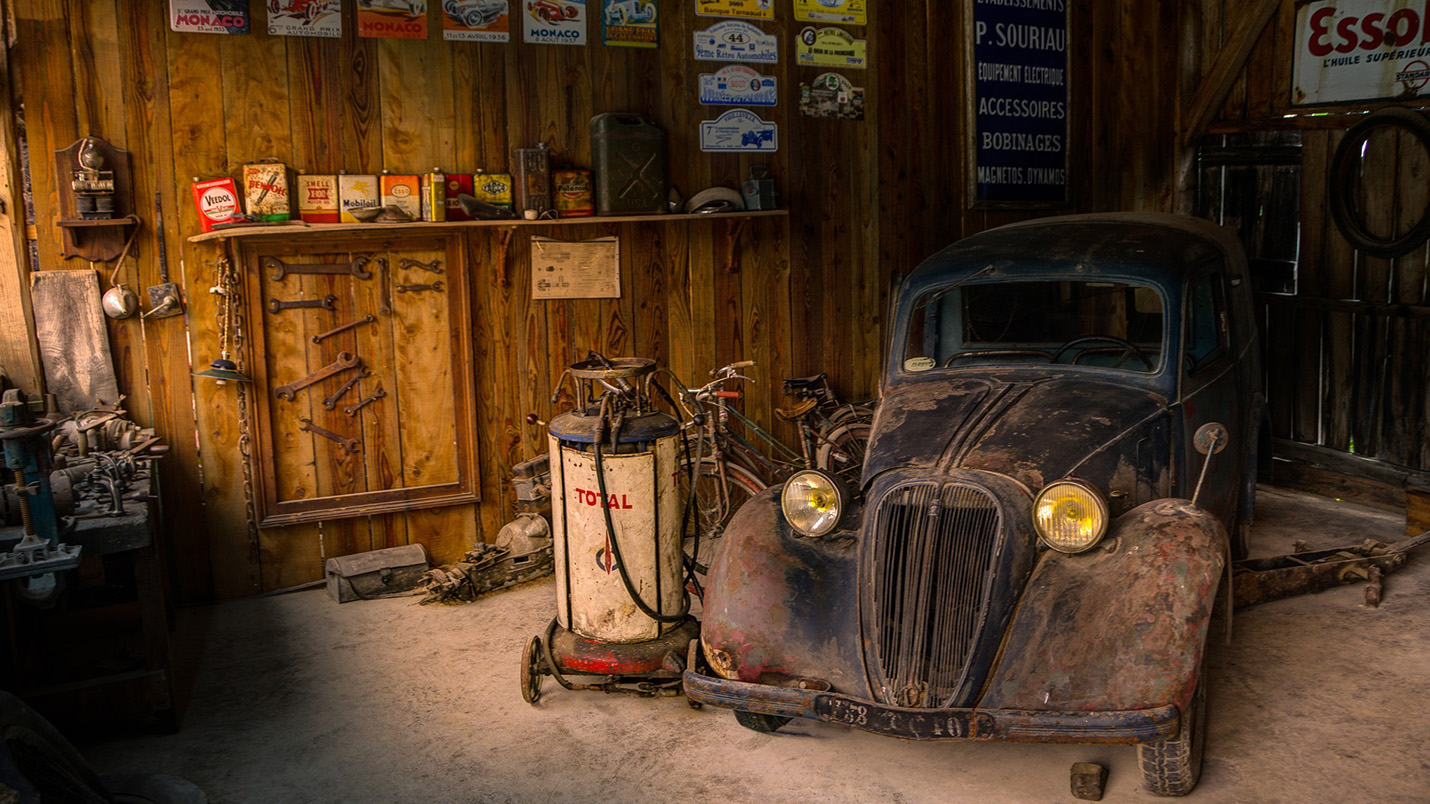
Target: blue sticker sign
[
  {"x": 736, "y": 41},
  {"x": 1020, "y": 104},
  {"x": 736, "y": 85},
  {"x": 739, "y": 130}
]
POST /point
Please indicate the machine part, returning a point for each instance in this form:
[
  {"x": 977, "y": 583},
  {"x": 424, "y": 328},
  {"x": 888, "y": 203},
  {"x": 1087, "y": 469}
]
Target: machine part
[
  {"x": 1343, "y": 185},
  {"x": 375, "y": 574},
  {"x": 28, "y": 455},
  {"x": 352, "y": 445},
  {"x": 367, "y": 319},
  {"x": 164, "y": 298},
  {"x": 433, "y": 266},
  {"x": 119, "y": 301},
  {"x": 647, "y": 669},
  {"x": 386, "y": 288},
  {"x": 1262, "y": 580},
  {"x": 328, "y": 302},
  {"x": 376, "y": 395},
  {"x": 532, "y": 481},
  {"x": 522, "y": 553},
  {"x": 437, "y": 286},
  {"x": 345, "y": 361},
  {"x": 356, "y": 267},
  {"x": 331, "y": 403}
]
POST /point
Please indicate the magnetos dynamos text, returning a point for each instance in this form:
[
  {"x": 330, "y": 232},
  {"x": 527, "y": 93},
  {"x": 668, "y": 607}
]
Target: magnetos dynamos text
[{"x": 1347, "y": 33}]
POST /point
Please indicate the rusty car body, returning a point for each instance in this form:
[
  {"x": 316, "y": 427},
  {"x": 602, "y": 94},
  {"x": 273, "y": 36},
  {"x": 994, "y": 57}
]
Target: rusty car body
[{"x": 1061, "y": 370}]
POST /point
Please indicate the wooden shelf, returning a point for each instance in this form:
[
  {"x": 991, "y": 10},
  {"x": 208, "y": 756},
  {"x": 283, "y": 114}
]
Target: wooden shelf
[
  {"x": 80, "y": 223},
  {"x": 300, "y": 229}
]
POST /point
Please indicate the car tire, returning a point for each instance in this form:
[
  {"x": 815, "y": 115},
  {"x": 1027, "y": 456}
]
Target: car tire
[
  {"x": 1340, "y": 188},
  {"x": 38, "y": 763},
  {"x": 760, "y": 722},
  {"x": 1171, "y": 767},
  {"x": 740, "y": 484}
]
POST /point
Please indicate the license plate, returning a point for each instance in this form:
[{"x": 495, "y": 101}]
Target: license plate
[{"x": 943, "y": 724}]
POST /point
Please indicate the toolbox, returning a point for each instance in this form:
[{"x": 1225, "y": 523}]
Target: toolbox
[{"x": 390, "y": 572}]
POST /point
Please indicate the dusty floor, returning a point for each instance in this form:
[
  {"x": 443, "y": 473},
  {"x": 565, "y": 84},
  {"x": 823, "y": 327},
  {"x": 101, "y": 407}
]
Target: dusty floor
[{"x": 297, "y": 699}]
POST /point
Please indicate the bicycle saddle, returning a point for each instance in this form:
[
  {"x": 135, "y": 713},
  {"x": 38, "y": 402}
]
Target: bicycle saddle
[
  {"x": 805, "y": 383},
  {"x": 798, "y": 411}
]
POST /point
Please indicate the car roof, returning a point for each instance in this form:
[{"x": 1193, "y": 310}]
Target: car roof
[{"x": 1156, "y": 247}]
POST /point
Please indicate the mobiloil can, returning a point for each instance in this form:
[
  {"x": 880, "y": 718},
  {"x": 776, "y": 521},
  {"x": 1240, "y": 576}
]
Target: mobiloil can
[
  {"x": 356, "y": 192},
  {"x": 628, "y": 158}
]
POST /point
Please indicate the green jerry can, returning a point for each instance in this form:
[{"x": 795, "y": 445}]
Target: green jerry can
[{"x": 628, "y": 158}]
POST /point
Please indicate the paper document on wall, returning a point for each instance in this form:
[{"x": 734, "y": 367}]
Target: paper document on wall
[{"x": 585, "y": 269}]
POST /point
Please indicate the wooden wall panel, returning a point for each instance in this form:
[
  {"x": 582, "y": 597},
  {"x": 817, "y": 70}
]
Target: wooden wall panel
[{"x": 868, "y": 200}]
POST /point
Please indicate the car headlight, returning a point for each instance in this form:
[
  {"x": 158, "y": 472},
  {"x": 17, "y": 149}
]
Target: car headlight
[
  {"x": 812, "y": 502},
  {"x": 1070, "y": 517}
]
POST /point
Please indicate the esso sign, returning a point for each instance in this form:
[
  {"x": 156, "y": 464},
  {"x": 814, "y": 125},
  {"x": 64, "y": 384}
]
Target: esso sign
[
  {"x": 1360, "y": 50},
  {"x": 1337, "y": 30}
]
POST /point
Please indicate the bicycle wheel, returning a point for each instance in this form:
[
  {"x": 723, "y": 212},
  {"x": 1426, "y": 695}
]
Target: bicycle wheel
[
  {"x": 841, "y": 451},
  {"x": 715, "y": 502}
]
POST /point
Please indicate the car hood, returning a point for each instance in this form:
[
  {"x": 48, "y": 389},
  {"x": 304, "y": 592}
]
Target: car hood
[{"x": 1035, "y": 430}]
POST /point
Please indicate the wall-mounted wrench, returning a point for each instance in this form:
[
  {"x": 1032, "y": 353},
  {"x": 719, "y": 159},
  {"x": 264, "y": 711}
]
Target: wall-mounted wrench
[
  {"x": 419, "y": 288},
  {"x": 376, "y": 395},
  {"x": 281, "y": 269},
  {"x": 331, "y": 403},
  {"x": 352, "y": 445},
  {"x": 386, "y": 289},
  {"x": 345, "y": 361},
  {"x": 328, "y": 302},
  {"x": 435, "y": 266},
  {"x": 367, "y": 319}
]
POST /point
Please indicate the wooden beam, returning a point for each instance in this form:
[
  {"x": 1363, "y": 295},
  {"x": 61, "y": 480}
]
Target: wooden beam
[
  {"x": 19, "y": 353},
  {"x": 1227, "y": 68}
]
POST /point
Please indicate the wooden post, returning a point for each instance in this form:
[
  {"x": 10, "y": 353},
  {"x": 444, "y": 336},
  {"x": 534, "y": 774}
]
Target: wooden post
[{"x": 19, "y": 353}]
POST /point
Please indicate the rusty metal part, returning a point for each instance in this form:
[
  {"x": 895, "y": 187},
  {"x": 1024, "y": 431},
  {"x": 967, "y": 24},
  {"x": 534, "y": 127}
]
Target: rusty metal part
[
  {"x": 345, "y": 361},
  {"x": 649, "y": 668},
  {"x": 367, "y": 319},
  {"x": 433, "y": 266},
  {"x": 1262, "y": 580},
  {"x": 328, "y": 302},
  {"x": 355, "y": 267},
  {"x": 376, "y": 395},
  {"x": 352, "y": 445},
  {"x": 384, "y": 287},
  {"x": 437, "y": 286},
  {"x": 331, "y": 403}
]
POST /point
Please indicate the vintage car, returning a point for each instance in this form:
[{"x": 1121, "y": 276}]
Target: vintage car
[
  {"x": 1063, "y": 455},
  {"x": 551, "y": 11},
  {"x": 474, "y": 13}
]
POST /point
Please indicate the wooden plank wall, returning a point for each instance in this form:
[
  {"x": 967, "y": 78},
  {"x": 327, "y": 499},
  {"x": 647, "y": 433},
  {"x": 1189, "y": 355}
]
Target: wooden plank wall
[
  {"x": 1347, "y": 350},
  {"x": 802, "y": 294}
]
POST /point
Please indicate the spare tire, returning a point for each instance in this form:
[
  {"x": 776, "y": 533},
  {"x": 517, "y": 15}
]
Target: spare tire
[{"x": 1341, "y": 180}]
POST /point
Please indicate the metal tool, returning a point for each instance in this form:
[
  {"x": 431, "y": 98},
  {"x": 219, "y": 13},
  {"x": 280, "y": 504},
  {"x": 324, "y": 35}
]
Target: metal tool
[
  {"x": 386, "y": 289},
  {"x": 281, "y": 269},
  {"x": 328, "y": 302},
  {"x": 367, "y": 319},
  {"x": 331, "y": 403},
  {"x": 119, "y": 301},
  {"x": 376, "y": 395},
  {"x": 164, "y": 298},
  {"x": 420, "y": 288},
  {"x": 352, "y": 445},
  {"x": 345, "y": 361},
  {"x": 435, "y": 266}
]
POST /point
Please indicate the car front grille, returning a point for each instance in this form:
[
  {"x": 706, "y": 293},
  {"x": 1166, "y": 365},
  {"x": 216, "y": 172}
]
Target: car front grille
[{"x": 933, "y": 552}]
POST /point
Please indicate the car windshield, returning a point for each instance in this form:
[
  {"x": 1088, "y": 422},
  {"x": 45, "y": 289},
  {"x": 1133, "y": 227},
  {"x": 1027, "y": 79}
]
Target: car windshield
[{"x": 1107, "y": 324}]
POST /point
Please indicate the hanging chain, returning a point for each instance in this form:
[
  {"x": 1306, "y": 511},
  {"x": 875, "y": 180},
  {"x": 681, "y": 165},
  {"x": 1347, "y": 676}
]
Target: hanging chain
[{"x": 231, "y": 334}]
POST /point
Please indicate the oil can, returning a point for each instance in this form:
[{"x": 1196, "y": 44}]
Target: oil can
[
  {"x": 573, "y": 193},
  {"x": 356, "y": 192},
  {"x": 494, "y": 188},
  {"x": 628, "y": 157},
  {"x": 457, "y": 184},
  {"x": 317, "y": 198},
  {"x": 532, "y": 175},
  {"x": 265, "y": 191},
  {"x": 216, "y": 201},
  {"x": 434, "y": 196},
  {"x": 402, "y": 190}
]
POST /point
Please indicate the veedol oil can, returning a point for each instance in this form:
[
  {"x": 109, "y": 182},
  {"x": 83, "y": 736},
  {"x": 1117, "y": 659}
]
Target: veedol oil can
[
  {"x": 628, "y": 158},
  {"x": 216, "y": 201}
]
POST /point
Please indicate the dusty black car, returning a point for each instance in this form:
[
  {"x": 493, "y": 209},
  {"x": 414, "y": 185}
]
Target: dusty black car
[{"x": 1063, "y": 455}]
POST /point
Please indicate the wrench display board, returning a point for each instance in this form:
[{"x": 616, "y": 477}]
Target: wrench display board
[{"x": 361, "y": 403}]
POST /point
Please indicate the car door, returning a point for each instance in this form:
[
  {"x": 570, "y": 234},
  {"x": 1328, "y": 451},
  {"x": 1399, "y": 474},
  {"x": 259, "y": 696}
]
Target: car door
[{"x": 1211, "y": 391}]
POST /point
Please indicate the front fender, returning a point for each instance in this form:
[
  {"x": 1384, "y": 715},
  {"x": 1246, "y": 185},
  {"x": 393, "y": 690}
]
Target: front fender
[{"x": 1120, "y": 627}]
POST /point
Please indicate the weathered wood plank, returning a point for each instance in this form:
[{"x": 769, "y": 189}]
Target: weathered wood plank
[{"x": 19, "y": 354}]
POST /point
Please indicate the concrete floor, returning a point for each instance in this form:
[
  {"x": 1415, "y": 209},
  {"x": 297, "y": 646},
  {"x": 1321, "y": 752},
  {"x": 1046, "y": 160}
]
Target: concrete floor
[{"x": 297, "y": 699}]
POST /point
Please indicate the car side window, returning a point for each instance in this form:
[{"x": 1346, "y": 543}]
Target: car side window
[{"x": 1207, "y": 336}]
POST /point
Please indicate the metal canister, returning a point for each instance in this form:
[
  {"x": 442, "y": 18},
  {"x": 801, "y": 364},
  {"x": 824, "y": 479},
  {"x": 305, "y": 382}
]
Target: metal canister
[
  {"x": 628, "y": 156},
  {"x": 356, "y": 192},
  {"x": 573, "y": 193},
  {"x": 265, "y": 190},
  {"x": 216, "y": 201},
  {"x": 531, "y": 168},
  {"x": 402, "y": 190},
  {"x": 457, "y": 184},
  {"x": 317, "y": 198},
  {"x": 494, "y": 188},
  {"x": 434, "y": 196}
]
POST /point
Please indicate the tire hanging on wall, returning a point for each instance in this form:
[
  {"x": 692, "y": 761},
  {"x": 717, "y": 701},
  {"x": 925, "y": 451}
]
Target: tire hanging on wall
[{"x": 1341, "y": 184}]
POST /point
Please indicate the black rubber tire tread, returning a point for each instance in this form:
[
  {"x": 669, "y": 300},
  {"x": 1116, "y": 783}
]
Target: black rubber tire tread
[
  {"x": 1340, "y": 185},
  {"x": 1172, "y": 767},
  {"x": 530, "y": 672},
  {"x": 765, "y": 724},
  {"x": 33, "y": 753},
  {"x": 741, "y": 485}
]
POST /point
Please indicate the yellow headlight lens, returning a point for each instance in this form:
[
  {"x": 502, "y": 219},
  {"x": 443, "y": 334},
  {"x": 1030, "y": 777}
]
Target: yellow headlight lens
[
  {"x": 1070, "y": 517},
  {"x": 812, "y": 503}
]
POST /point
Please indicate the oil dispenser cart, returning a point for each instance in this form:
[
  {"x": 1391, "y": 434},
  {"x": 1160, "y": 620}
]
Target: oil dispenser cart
[{"x": 622, "y": 610}]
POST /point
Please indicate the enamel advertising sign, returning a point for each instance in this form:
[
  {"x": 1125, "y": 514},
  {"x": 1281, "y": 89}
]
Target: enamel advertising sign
[
  {"x": 476, "y": 21},
  {"x": 831, "y": 47},
  {"x": 1353, "y": 50},
  {"x": 737, "y": 85},
  {"x": 748, "y": 9},
  {"x": 849, "y": 12},
  {"x": 318, "y": 18},
  {"x": 738, "y": 130},
  {"x": 554, "y": 22},
  {"x": 736, "y": 41},
  {"x": 392, "y": 19},
  {"x": 209, "y": 16},
  {"x": 630, "y": 23}
]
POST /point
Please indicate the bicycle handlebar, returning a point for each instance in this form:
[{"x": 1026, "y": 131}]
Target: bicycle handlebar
[
  {"x": 728, "y": 394},
  {"x": 732, "y": 368}
]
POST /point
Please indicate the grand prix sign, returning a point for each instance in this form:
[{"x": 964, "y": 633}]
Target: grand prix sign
[{"x": 1353, "y": 50}]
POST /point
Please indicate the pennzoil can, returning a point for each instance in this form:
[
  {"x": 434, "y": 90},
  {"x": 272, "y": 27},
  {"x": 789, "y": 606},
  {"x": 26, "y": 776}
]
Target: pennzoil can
[
  {"x": 457, "y": 184},
  {"x": 317, "y": 198},
  {"x": 573, "y": 195},
  {"x": 434, "y": 196},
  {"x": 494, "y": 188},
  {"x": 265, "y": 191},
  {"x": 402, "y": 190},
  {"x": 358, "y": 191},
  {"x": 531, "y": 172}
]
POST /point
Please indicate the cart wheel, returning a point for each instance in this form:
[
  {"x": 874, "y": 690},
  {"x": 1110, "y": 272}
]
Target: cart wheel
[
  {"x": 532, "y": 669},
  {"x": 692, "y": 658},
  {"x": 765, "y": 724}
]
